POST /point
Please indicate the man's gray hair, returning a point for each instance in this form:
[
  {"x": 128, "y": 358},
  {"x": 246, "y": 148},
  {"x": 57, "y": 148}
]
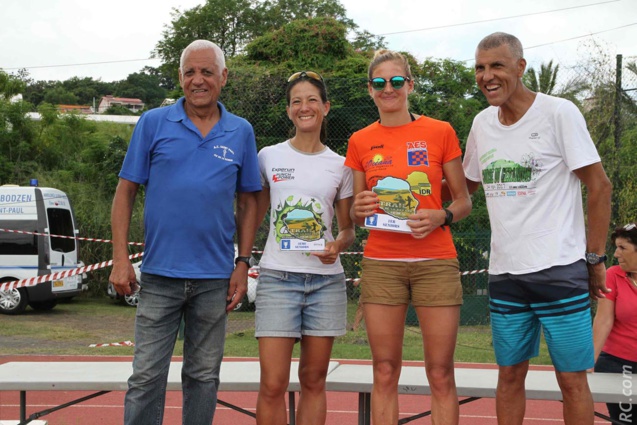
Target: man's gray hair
[
  {"x": 497, "y": 39},
  {"x": 203, "y": 45}
]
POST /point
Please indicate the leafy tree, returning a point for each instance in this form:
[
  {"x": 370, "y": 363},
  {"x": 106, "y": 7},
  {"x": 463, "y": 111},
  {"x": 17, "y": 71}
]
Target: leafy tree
[
  {"x": 87, "y": 89},
  {"x": 74, "y": 91},
  {"x": 226, "y": 22},
  {"x": 313, "y": 43},
  {"x": 446, "y": 90},
  {"x": 10, "y": 85},
  {"x": 119, "y": 110},
  {"x": 60, "y": 96},
  {"x": 365, "y": 40},
  {"x": 35, "y": 91},
  {"x": 232, "y": 24},
  {"x": 165, "y": 80},
  {"x": 604, "y": 107},
  {"x": 48, "y": 113},
  {"x": 142, "y": 86},
  {"x": 16, "y": 132},
  {"x": 275, "y": 14}
]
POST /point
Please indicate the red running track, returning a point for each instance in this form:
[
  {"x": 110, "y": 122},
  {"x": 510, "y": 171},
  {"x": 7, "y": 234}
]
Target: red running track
[{"x": 342, "y": 407}]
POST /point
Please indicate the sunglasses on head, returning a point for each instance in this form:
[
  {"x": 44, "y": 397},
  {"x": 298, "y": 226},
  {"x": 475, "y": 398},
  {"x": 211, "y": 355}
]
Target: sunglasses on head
[
  {"x": 305, "y": 74},
  {"x": 396, "y": 82},
  {"x": 630, "y": 227}
]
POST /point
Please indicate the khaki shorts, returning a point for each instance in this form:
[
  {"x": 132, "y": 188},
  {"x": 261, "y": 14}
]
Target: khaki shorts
[{"x": 424, "y": 283}]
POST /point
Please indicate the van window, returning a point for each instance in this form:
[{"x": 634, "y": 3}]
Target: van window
[
  {"x": 61, "y": 223},
  {"x": 18, "y": 243}
]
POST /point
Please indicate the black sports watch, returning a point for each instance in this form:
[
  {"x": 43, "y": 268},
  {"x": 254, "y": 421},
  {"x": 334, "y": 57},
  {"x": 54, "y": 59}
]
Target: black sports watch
[
  {"x": 242, "y": 260},
  {"x": 593, "y": 259},
  {"x": 448, "y": 218}
]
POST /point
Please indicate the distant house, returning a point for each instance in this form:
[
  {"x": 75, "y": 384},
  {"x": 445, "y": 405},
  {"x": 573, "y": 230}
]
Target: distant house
[
  {"x": 78, "y": 109},
  {"x": 167, "y": 101},
  {"x": 135, "y": 105}
]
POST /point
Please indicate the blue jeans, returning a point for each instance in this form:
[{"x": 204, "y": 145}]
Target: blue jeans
[{"x": 163, "y": 302}]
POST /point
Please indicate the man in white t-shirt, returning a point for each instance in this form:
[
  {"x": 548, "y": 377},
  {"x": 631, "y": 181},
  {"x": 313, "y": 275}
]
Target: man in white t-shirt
[{"x": 531, "y": 152}]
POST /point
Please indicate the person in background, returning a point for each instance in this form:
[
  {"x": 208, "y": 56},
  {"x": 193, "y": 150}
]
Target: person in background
[
  {"x": 615, "y": 325},
  {"x": 408, "y": 156},
  {"x": 301, "y": 294},
  {"x": 192, "y": 157},
  {"x": 531, "y": 153}
]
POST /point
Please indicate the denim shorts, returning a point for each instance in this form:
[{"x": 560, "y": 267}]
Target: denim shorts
[{"x": 292, "y": 304}]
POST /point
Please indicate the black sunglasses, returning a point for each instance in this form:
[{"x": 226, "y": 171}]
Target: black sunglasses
[
  {"x": 305, "y": 74},
  {"x": 396, "y": 82}
]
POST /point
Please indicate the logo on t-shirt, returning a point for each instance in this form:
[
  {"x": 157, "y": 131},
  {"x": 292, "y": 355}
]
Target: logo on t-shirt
[
  {"x": 282, "y": 174},
  {"x": 417, "y": 154},
  {"x": 378, "y": 162},
  {"x": 223, "y": 153}
]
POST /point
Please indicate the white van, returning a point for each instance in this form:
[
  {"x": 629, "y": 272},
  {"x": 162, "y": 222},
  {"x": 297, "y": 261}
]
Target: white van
[{"x": 23, "y": 255}]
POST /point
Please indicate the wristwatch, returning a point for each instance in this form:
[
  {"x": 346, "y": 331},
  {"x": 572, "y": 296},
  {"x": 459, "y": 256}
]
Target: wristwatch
[
  {"x": 242, "y": 260},
  {"x": 448, "y": 218},
  {"x": 592, "y": 258}
]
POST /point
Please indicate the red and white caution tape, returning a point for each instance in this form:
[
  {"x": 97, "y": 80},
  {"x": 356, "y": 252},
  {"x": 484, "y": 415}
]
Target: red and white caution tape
[
  {"x": 24, "y": 232},
  {"x": 114, "y": 344},
  {"x": 474, "y": 272},
  {"x": 32, "y": 281}
]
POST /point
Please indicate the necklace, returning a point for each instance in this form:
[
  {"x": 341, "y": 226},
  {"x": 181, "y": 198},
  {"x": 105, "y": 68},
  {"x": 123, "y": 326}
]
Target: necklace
[{"x": 630, "y": 277}]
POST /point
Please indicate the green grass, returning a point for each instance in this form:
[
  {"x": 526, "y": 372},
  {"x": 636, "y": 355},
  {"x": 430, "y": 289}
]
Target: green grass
[{"x": 71, "y": 327}]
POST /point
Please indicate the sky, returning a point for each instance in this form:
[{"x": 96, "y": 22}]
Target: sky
[{"x": 108, "y": 40}]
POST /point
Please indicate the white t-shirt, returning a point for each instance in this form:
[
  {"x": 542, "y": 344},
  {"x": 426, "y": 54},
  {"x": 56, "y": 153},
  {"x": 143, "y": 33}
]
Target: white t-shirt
[
  {"x": 302, "y": 185},
  {"x": 533, "y": 197}
]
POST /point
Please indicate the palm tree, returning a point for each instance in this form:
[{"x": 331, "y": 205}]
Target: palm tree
[{"x": 544, "y": 81}]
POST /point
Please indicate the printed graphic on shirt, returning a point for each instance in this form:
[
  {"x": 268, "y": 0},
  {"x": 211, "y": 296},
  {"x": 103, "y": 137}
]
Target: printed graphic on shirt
[
  {"x": 503, "y": 177},
  {"x": 419, "y": 183},
  {"x": 299, "y": 220},
  {"x": 417, "y": 154}
]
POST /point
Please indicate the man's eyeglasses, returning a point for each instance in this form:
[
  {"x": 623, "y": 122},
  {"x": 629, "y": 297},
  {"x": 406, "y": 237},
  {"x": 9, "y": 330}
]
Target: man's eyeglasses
[
  {"x": 305, "y": 74},
  {"x": 630, "y": 227},
  {"x": 396, "y": 82}
]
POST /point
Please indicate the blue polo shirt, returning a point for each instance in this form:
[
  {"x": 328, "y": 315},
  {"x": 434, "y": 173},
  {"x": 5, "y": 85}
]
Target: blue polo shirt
[{"x": 190, "y": 182}]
